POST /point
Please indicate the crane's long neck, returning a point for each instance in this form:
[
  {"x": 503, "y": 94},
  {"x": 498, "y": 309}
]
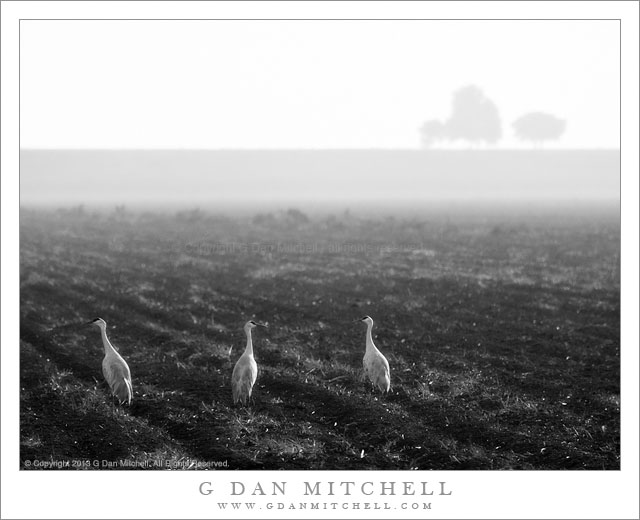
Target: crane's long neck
[
  {"x": 249, "y": 348},
  {"x": 370, "y": 344},
  {"x": 108, "y": 347}
]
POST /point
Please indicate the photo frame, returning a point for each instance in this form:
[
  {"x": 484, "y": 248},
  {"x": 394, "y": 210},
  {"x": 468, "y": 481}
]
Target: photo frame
[{"x": 380, "y": 493}]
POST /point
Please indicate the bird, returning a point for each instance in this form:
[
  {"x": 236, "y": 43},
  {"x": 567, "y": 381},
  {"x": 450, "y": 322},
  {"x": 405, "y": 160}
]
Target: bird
[
  {"x": 376, "y": 366},
  {"x": 245, "y": 371},
  {"x": 114, "y": 367}
]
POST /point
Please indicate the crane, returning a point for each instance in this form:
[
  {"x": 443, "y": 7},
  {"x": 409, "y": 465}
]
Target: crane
[
  {"x": 376, "y": 366},
  {"x": 246, "y": 370},
  {"x": 114, "y": 367}
]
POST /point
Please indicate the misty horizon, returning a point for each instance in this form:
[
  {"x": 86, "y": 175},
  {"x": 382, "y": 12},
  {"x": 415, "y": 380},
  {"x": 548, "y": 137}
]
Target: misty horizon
[{"x": 366, "y": 178}]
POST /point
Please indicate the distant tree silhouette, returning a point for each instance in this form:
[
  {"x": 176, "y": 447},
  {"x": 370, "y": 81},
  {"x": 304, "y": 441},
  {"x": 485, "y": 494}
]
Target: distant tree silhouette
[
  {"x": 431, "y": 132},
  {"x": 538, "y": 127},
  {"x": 474, "y": 117}
]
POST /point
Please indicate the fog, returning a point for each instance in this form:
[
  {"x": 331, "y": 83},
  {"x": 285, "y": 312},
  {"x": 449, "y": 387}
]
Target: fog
[{"x": 387, "y": 181}]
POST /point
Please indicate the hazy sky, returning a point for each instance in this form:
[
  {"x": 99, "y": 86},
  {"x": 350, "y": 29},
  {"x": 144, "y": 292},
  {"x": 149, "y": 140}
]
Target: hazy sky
[{"x": 306, "y": 84}]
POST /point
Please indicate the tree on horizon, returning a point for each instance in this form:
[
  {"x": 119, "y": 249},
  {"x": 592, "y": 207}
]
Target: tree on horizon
[
  {"x": 538, "y": 127},
  {"x": 474, "y": 118}
]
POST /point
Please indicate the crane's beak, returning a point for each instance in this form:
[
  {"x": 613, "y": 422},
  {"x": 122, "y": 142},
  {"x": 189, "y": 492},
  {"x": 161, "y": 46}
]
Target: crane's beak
[
  {"x": 88, "y": 323},
  {"x": 261, "y": 325}
]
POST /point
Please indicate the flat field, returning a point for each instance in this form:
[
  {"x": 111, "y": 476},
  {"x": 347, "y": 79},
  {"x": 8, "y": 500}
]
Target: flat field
[{"x": 502, "y": 332}]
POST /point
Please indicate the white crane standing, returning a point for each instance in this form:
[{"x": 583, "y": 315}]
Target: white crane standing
[
  {"x": 246, "y": 370},
  {"x": 376, "y": 366},
  {"x": 114, "y": 367}
]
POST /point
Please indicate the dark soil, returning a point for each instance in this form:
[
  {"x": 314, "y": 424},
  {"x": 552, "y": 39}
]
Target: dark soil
[{"x": 503, "y": 336}]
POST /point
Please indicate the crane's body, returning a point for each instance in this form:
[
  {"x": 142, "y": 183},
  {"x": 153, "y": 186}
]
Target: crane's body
[
  {"x": 376, "y": 366},
  {"x": 114, "y": 367},
  {"x": 245, "y": 372}
]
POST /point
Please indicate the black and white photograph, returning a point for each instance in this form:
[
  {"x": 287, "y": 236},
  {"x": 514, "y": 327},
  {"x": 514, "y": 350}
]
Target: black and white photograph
[{"x": 354, "y": 255}]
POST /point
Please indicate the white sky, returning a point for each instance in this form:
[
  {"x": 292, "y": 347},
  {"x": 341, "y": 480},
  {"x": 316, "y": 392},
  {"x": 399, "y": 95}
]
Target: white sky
[{"x": 306, "y": 84}]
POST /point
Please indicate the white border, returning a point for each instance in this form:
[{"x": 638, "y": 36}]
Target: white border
[{"x": 541, "y": 494}]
